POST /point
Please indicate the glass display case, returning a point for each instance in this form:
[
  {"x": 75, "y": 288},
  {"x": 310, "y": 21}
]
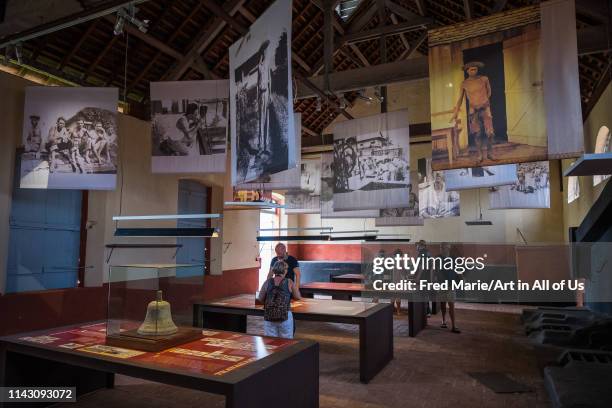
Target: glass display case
[{"x": 150, "y": 306}]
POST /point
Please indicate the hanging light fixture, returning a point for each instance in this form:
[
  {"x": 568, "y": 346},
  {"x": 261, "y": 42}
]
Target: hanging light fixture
[{"x": 479, "y": 221}]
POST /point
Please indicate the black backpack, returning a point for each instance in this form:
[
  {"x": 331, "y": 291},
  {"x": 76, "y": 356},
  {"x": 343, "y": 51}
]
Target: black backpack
[{"x": 276, "y": 308}]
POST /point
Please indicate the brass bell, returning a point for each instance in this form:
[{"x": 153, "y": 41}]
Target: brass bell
[{"x": 158, "y": 321}]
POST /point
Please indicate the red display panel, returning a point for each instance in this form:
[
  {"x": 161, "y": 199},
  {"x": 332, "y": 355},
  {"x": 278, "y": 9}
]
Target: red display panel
[{"x": 217, "y": 353}]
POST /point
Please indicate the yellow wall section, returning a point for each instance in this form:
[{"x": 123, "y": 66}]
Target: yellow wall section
[{"x": 601, "y": 115}]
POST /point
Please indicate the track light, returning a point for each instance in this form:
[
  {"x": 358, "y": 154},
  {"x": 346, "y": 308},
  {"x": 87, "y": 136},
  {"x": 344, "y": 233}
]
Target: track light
[
  {"x": 378, "y": 94},
  {"x": 361, "y": 95},
  {"x": 18, "y": 53},
  {"x": 129, "y": 14},
  {"x": 118, "y": 29}
]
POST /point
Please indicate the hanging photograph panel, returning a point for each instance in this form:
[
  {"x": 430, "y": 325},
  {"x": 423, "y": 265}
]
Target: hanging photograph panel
[
  {"x": 189, "y": 124},
  {"x": 372, "y": 162},
  {"x": 70, "y": 138},
  {"x": 531, "y": 190},
  {"x": 480, "y": 177},
  {"x": 261, "y": 97}
]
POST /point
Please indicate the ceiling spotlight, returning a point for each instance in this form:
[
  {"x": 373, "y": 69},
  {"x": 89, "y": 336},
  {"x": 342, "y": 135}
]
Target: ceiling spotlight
[
  {"x": 361, "y": 95},
  {"x": 318, "y": 108},
  {"x": 118, "y": 29},
  {"x": 378, "y": 94},
  {"x": 18, "y": 53},
  {"x": 342, "y": 102},
  {"x": 129, "y": 14}
]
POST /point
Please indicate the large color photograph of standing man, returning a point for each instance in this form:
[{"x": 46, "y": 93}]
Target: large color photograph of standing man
[{"x": 486, "y": 85}]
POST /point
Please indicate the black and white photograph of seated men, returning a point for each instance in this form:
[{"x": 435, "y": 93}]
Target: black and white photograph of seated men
[{"x": 70, "y": 138}]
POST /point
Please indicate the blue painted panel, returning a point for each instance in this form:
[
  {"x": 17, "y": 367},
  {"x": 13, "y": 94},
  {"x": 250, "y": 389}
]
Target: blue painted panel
[
  {"x": 192, "y": 199},
  {"x": 44, "y": 239}
]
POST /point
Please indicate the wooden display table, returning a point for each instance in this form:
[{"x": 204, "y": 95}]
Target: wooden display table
[
  {"x": 348, "y": 278},
  {"x": 248, "y": 370},
  {"x": 375, "y": 321},
  {"x": 417, "y": 311}
]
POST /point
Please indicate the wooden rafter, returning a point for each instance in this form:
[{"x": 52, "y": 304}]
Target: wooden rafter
[
  {"x": 202, "y": 42},
  {"x": 468, "y": 9}
]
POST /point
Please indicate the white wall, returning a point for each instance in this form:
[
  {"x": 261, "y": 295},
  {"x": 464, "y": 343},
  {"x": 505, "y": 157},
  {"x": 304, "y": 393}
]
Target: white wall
[{"x": 600, "y": 115}]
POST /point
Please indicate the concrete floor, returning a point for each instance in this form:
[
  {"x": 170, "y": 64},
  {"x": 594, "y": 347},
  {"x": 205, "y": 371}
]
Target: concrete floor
[{"x": 427, "y": 371}]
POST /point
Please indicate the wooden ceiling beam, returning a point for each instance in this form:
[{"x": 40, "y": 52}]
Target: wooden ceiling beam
[
  {"x": 201, "y": 42},
  {"x": 225, "y": 16},
  {"x": 357, "y": 51},
  {"x": 177, "y": 31},
  {"x": 78, "y": 44},
  {"x": 317, "y": 90},
  {"x": 499, "y": 6},
  {"x": 402, "y": 36},
  {"x": 414, "y": 47},
  {"x": 468, "y": 9},
  {"x": 363, "y": 18},
  {"x": 401, "y": 11},
  {"x": 328, "y": 41},
  {"x": 376, "y": 33},
  {"x": 375, "y": 75},
  {"x": 597, "y": 91},
  {"x": 420, "y": 5}
]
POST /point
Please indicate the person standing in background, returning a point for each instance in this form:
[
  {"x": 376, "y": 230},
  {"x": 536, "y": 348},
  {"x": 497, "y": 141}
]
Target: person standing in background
[
  {"x": 275, "y": 294},
  {"x": 293, "y": 266},
  {"x": 425, "y": 273},
  {"x": 447, "y": 297}
]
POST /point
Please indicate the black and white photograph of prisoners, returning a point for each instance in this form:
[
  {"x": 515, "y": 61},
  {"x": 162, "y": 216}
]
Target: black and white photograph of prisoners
[
  {"x": 531, "y": 190},
  {"x": 189, "y": 126},
  {"x": 261, "y": 97},
  {"x": 306, "y": 199},
  {"x": 480, "y": 177},
  {"x": 327, "y": 193},
  {"x": 287, "y": 179},
  {"x": 372, "y": 162},
  {"x": 434, "y": 200},
  {"x": 70, "y": 138},
  {"x": 408, "y": 215}
]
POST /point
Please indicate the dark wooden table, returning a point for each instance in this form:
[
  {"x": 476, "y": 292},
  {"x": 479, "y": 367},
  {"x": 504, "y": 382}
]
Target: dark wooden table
[
  {"x": 337, "y": 290},
  {"x": 417, "y": 311},
  {"x": 348, "y": 278},
  {"x": 375, "y": 321},
  {"x": 247, "y": 370}
]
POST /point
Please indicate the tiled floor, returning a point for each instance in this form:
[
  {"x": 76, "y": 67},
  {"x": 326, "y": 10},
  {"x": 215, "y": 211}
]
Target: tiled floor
[{"x": 427, "y": 371}]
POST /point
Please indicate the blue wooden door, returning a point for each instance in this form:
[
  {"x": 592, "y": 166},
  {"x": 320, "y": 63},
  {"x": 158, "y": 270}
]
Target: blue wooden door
[
  {"x": 192, "y": 199},
  {"x": 44, "y": 239}
]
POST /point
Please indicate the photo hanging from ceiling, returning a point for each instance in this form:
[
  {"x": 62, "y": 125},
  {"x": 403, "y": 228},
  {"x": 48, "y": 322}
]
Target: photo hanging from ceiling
[
  {"x": 261, "y": 97},
  {"x": 70, "y": 138},
  {"x": 531, "y": 189},
  {"x": 488, "y": 102},
  {"x": 286, "y": 179},
  {"x": 434, "y": 200},
  {"x": 327, "y": 193},
  {"x": 189, "y": 126},
  {"x": 603, "y": 144},
  {"x": 479, "y": 177},
  {"x": 306, "y": 199},
  {"x": 372, "y": 162},
  {"x": 408, "y": 215}
]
